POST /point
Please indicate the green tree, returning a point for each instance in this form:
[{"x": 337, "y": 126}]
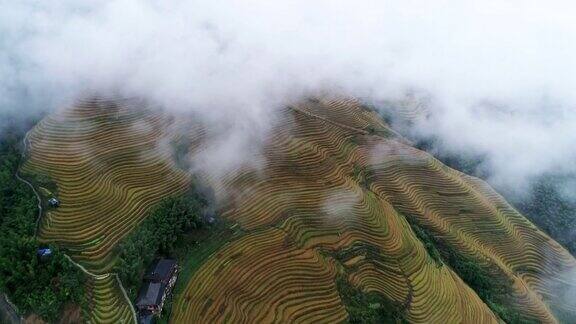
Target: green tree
[
  {"x": 157, "y": 235},
  {"x": 34, "y": 286}
]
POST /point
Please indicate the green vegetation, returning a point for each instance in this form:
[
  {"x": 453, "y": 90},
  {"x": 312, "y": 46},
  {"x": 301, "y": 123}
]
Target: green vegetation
[
  {"x": 158, "y": 235},
  {"x": 363, "y": 175},
  {"x": 485, "y": 278},
  {"x": 493, "y": 288},
  {"x": 181, "y": 149},
  {"x": 34, "y": 286},
  {"x": 175, "y": 228},
  {"x": 547, "y": 203},
  {"x": 368, "y": 307},
  {"x": 196, "y": 247},
  {"x": 428, "y": 242},
  {"x": 45, "y": 187},
  {"x": 467, "y": 163},
  {"x": 551, "y": 205},
  {"x": 384, "y": 110},
  {"x": 382, "y": 132},
  {"x": 371, "y": 130},
  {"x": 361, "y": 306}
]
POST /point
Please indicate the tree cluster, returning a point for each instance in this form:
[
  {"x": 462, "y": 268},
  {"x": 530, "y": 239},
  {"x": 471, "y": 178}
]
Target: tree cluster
[
  {"x": 367, "y": 307},
  {"x": 157, "y": 235},
  {"x": 34, "y": 286},
  {"x": 485, "y": 278},
  {"x": 551, "y": 205}
]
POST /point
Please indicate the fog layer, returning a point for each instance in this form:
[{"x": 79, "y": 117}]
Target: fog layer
[{"x": 497, "y": 75}]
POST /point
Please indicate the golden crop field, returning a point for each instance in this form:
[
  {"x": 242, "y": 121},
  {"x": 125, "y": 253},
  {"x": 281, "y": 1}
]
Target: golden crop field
[
  {"x": 336, "y": 199},
  {"x": 109, "y": 165}
]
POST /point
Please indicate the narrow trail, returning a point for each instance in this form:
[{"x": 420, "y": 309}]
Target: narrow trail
[
  {"x": 81, "y": 267},
  {"x": 12, "y": 311},
  {"x": 337, "y": 124},
  {"x": 344, "y": 126},
  {"x": 8, "y": 311},
  {"x": 40, "y": 211}
]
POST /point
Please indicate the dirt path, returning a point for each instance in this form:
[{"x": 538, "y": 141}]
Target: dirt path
[
  {"x": 8, "y": 312},
  {"x": 24, "y": 150},
  {"x": 337, "y": 124},
  {"x": 82, "y": 268},
  {"x": 354, "y": 129}
]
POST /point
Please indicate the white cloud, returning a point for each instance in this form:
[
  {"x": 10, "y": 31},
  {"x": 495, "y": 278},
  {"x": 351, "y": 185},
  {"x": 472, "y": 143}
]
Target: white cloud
[{"x": 238, "y": 60}]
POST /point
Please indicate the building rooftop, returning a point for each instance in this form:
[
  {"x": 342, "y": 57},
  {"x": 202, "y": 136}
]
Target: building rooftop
[
  {"x": 145, "y": 318},
  {"x": 161, "y": 270},
  {"x": 53, "y": 202},
  {"x": 44, "y": 252},
  {"x": 150, "y": 294}
]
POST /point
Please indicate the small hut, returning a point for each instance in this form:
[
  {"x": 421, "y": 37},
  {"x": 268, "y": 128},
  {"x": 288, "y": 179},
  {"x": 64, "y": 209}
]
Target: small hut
[{"x": 53, "y": 202}]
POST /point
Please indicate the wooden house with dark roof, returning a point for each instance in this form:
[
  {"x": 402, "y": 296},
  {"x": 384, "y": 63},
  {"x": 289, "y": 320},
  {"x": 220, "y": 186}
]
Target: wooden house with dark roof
[{"x": 158, "y": 283}]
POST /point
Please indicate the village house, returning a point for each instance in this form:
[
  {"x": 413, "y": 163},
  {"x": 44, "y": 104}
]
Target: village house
[
  {"x": 53, "y": 202},
  {"x": 158, "y": 283},
  {"x": 44, "y": 253}
]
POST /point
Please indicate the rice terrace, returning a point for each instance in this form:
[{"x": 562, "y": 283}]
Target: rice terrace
[
  {"x": 287, "y": 162},
  {"x": 344, "y": 221}
]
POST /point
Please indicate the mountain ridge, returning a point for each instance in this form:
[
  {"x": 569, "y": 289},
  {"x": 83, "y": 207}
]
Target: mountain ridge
[{"x": 337, "y": 182}]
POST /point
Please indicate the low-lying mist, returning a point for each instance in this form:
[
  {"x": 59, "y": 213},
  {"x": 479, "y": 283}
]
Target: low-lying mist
[{"x": 496, "y": 76}]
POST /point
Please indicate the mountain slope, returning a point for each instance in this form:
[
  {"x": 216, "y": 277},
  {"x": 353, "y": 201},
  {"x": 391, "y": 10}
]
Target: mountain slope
[
  {"x": 105, "y": 160},
  {"x": 340, "y": 207},
  {"x": 336, "y": 182}
]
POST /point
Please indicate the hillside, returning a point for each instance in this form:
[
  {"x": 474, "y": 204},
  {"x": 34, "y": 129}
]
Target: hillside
[{"x": 342, "y": 220}]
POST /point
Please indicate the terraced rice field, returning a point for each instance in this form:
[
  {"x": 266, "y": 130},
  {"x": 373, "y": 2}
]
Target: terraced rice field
[
  {"x": 110, "y": 164},
  {"x": 312, "y": 197},
  {"x": 332, "y": 199}
]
